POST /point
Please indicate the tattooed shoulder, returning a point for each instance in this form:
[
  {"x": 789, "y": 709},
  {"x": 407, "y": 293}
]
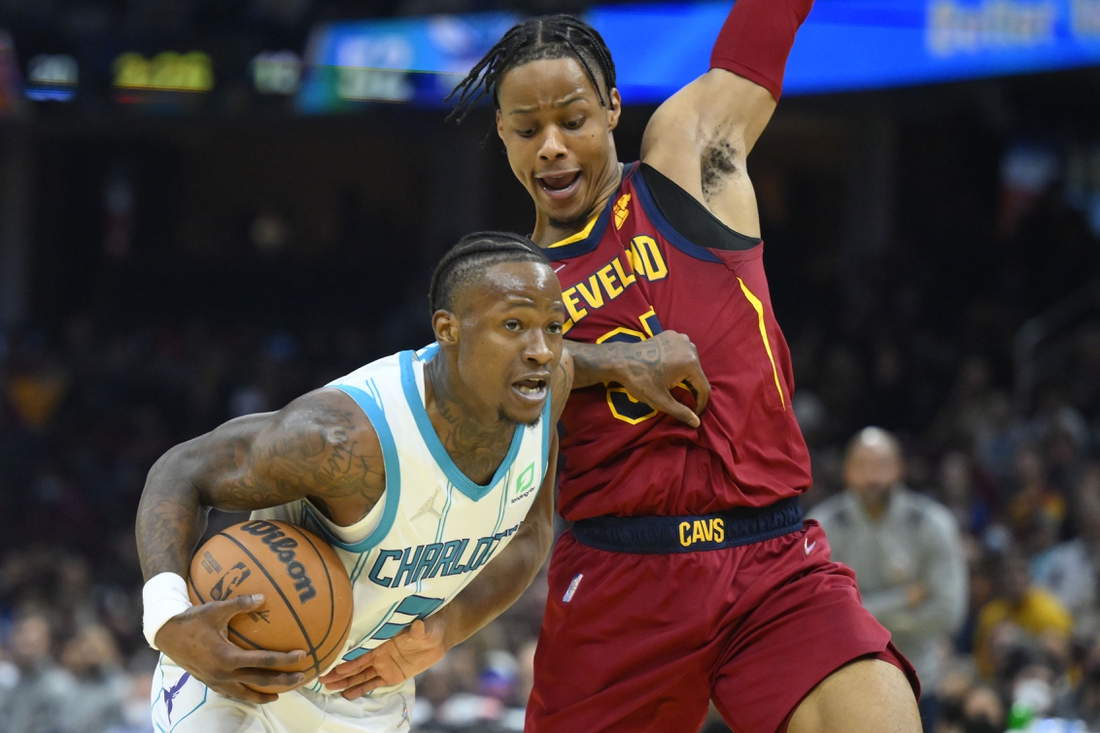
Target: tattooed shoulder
[{"x": 320, "y": 445}]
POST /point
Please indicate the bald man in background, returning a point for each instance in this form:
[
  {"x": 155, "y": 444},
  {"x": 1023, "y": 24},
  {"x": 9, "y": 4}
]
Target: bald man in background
[{"x": 906, "y": 552}]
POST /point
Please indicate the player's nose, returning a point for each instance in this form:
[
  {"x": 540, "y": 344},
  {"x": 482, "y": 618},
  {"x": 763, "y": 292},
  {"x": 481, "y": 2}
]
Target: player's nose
[
  {"x": 537, "y": 349},
  {"x": 553, "y": 144}
]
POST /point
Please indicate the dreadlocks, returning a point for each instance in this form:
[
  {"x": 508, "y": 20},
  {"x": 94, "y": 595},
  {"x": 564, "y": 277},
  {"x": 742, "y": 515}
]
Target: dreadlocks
[
  {"x": 473, "y": 254},
  {"x": 548, "y": 37}
]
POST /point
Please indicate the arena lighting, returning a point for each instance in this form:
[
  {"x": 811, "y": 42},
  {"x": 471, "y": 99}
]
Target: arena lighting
[
  {"x": 845, "y": 45},
  {"x": 51, "y": 78},
  {"x": 276, "y": 72},
  {"x": 167, "y": 72}
]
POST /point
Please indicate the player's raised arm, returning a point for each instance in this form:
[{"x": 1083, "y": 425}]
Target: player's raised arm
[
  {"x": 701, "y": 137},
  {"x": 320, "y": 446}
]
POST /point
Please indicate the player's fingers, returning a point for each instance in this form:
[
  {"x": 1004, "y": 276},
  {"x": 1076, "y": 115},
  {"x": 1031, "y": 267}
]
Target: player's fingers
[
  {"x": 701, "y": 385},
  {"x": 346, "y": 669},
  {"x": 358, "y": 691},
  {"x": 263, "y": 659},
  {"x": 243, "y": 693},
  {"x": 268, "y": 678},
  {"x": 226, "y": 610},
  {"x": 418, "y": 631},
  {"x": 360, "y": 684},
  {"x": 665, "y": 402}
]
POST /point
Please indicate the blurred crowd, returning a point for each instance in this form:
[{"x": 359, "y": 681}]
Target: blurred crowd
[
  {"x": 921, "y": 345},
  {"x": 84, "y": 413}
]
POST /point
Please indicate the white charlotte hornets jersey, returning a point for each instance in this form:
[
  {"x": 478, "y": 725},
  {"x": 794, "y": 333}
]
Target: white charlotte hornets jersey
[{"x": 434, "y": 528}]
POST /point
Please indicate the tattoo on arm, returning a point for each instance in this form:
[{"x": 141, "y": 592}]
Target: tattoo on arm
[
  {"x": 315, "y": 451},
  {"x": 314, "y": 447},
  {"x": 561, "y": 384}
]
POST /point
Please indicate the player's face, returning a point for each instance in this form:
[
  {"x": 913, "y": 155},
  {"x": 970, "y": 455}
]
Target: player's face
[
  {"x": 510, "y": 339},
  {"x": 558, "y": 138},
  {"x": 871, "y": 472}
]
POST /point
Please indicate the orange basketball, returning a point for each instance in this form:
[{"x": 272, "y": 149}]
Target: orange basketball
[{"x": 307, "y": 593}]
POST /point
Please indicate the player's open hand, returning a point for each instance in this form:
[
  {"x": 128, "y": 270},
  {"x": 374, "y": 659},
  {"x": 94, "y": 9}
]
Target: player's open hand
[
  {"x": 198, "y": 641},
  {"x": 405, "y": 655},
  {"x": 652, "y": 368}
]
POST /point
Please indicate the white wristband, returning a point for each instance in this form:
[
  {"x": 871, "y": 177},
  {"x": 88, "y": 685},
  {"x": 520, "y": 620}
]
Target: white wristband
[{"x": 164, "y": 596}]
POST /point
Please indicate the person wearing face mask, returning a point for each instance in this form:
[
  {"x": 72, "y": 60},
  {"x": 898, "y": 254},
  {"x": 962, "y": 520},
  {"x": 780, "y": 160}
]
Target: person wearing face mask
[{"x": 906, "y": 552}]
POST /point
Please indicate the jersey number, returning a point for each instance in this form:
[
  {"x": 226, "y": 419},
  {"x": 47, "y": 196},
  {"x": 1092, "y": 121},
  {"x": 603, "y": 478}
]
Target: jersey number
[{"x": 623, "y": 406}]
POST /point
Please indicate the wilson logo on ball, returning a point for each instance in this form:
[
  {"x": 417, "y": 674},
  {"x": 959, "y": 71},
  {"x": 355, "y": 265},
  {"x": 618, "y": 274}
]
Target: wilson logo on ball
[{"x": 283, "y": 547}]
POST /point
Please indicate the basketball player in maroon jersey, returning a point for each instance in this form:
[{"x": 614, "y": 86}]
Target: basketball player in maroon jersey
[{"x": 689, "y": 574}]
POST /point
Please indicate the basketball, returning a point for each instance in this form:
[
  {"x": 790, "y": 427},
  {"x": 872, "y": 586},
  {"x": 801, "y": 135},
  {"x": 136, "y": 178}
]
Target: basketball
[{"x": 307, "y": 593}]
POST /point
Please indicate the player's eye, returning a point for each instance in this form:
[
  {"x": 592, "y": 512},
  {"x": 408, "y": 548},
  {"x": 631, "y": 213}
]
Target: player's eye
[
  {"x": 554, "y": 328},
  {"x": 513, "y": 325},
  {"x": 525, "y": 132},
  {"x": 574, "y": 124}
]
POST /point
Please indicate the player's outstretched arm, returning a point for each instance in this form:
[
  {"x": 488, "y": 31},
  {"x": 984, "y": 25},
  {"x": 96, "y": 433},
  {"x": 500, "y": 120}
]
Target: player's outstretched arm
[
  {"x": 320, "y": 445},
  {"x": 495, "y": 588},
  {"x": 648, "y": 369},
  {"x": 702, "y": 135}
]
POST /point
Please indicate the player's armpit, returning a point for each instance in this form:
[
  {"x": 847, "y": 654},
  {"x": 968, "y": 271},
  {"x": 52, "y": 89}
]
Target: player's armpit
[
  {"x": 648, "y": 369},
  {"x": 700, "y": 138}
]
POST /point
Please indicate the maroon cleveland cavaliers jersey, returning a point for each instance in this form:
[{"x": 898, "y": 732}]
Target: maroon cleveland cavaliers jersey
[{"x": 627, "y": 277}]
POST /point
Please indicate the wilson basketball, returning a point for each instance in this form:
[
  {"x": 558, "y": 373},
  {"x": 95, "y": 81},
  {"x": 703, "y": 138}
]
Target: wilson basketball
[{"x": 307, "y": 593}]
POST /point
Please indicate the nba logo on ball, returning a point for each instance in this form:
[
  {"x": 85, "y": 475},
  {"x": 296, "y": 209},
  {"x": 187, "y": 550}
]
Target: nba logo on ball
[{"x": 228, "y": 582}]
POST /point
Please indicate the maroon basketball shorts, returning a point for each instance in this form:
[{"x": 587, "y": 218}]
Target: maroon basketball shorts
[{"x": 636, "y": 641}]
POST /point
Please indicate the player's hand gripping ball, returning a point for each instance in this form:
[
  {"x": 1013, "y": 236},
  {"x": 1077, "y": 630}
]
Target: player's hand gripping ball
[{"x": 307, "y": 593}]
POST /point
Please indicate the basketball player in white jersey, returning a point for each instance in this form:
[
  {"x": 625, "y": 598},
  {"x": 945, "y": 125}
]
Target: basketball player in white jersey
[{"x": 423, "y": 470}]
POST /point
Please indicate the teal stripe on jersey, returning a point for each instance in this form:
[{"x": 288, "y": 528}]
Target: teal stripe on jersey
[
  {"x": 546, "y": 428},
  {"x": 358, "y": 651},
  {"x": 503, "y": 501},
  {"x": 360, "y": 566},
  {"x": 442, "y": 458},
  {"x": 372, "y": 407},
  {"x": 428, "y": 353}
]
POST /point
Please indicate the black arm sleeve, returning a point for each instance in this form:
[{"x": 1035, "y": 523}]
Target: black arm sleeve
[{"x": 689, "y": 217}]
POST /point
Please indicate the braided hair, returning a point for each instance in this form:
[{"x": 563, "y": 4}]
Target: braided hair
[
  {"x": 547, "y": 37},
  {"x": 474, "y": 253}
]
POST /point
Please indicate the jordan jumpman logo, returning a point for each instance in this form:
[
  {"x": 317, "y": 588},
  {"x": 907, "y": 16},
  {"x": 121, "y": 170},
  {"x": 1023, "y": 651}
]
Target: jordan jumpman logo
[{"x": 428, "y": 507}]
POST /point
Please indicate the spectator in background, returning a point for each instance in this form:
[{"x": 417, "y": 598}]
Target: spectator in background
[
  {"x": 1018, "y": 608},
  {"x": 96, "y": 685},
  {"x": 1069, "y": 569},
  {"x": 1037, "y": 509},
  {"x": 906, "y": 552},
  {"x": 33, "y": 703}
]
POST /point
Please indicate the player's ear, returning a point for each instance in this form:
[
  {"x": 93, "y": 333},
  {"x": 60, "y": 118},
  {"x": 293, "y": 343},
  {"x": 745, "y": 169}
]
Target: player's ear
[
  {"x": 445, "y": 327},
  {"x": 614, "y": 108},
  {"x": 500, "y": 125}
]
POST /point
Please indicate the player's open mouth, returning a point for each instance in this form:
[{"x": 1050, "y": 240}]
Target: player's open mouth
[
  {"x": 559, "y": 185},
  {"x": 533, "y": 390}
]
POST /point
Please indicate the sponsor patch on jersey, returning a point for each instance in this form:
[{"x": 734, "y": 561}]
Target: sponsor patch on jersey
[{"x": 525, "y": 484}]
